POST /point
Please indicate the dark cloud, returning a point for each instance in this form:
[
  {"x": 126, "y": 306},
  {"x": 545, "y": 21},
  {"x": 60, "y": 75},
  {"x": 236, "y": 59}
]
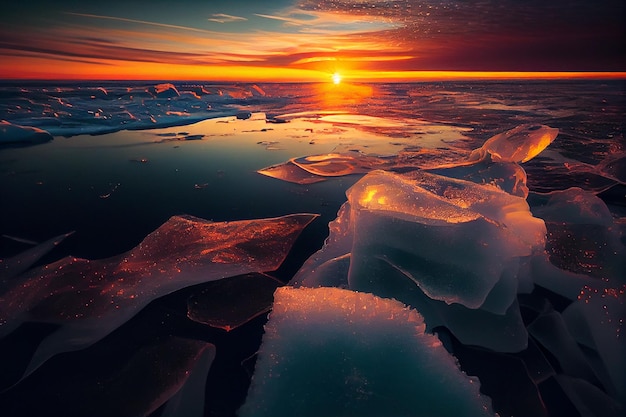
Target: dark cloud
[{"x": 513, "y": 35}]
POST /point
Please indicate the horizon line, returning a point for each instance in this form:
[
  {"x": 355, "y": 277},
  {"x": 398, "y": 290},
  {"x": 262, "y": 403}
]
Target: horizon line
[{"x": 368, "y": 76}]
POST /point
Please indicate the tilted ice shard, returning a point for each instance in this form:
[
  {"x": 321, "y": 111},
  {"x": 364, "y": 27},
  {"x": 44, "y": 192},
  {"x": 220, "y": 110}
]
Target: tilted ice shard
[
  {"x": 344, "y": 353},
  {"x": 520, "y": 144},
  {"x": 89, "y": 299},
  {"x": 190, "y": 398},
  {"x": 14, "y": 266},
  {"x": 121, "y": 377},
  {"x": 596, "y": 320}
]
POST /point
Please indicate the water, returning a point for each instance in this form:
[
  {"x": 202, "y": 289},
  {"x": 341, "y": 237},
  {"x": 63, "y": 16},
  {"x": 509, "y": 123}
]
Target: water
[{"x": 194, "y": 150}]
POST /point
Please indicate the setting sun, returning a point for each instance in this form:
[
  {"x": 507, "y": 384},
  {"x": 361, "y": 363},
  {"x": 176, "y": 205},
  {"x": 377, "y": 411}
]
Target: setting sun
[{"x": 336, "y": 78}]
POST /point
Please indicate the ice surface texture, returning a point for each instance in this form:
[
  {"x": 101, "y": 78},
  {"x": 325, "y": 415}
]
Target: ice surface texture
[
  {"x": 335, "y": 352},
  {"x": 89, "y": 299}
]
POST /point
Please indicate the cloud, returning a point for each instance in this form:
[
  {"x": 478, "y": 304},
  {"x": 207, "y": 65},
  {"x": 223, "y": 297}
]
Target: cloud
[
  {"x": 226, "y": 18},
  {"x": 290, "y": 20},
  {"x": 142, "y": 22}
]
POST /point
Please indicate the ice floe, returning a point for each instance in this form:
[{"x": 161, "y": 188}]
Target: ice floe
[
  {"x": 91, "y": 298},
  {"x": 348, "y": 353},
  {"x": 17, "y": 135}
]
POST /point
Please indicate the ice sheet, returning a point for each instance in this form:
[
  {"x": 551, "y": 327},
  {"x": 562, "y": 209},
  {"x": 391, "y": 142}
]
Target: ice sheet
[{"x": 89, "y": 299}]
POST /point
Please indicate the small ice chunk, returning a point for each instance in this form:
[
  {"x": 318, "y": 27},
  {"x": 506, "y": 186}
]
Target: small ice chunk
[
  {"x": 100, "y": 93},
  {"x": 292, "y": 173},
  {"x": 520, "y": 144},
  {"x": 165, "y": 90},
  {"x": 575, "y": 205},
  {"x": 341, "y": 352}
]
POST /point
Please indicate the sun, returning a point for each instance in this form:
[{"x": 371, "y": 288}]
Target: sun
[{"x": 336, "y": 78}]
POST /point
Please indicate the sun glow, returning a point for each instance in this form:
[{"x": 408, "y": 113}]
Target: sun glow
[{"x": 336, "y": 78}]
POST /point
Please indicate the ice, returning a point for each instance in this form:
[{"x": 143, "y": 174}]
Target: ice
[
  {"x": 433, "y": 217},
  {"x": 92, "y": 109},
  {"x": 189, "y": 400},
  {"x": 507, "y": 176},
  {"x": 231, "y": 302},
  {"x": 586, "y": 341},
  {"x": 496, "y": 162},
  {"x": 516, "y": 145},
  {"x": 131, "y": 377},
  {"x": 166, "y": 90},
  {"x": 91, "y": 298},
  {"x": 613, "y": 167},
  {"x": 341, "y": 352},
  {"x": 394, "y": 238},
  {"x": 14, "y": 134},
  {"x": 14, "y": 266},
  {"x": 589, "y": 400},
  {"x": 582, "y": 235},
  {"x": 596, "y": 321}
]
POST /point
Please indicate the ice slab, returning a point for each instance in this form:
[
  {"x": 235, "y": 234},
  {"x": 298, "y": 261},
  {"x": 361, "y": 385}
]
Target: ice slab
[
  {"x": 89, "y": 299},
  {"x": 347, "y": 353},
  {"x": 18, "y": 135},
  {"x": 395, "y": 238},
  {"x": 120, "y": 378},
  {"x": 582, "y": 235},
  {"x": 596, "y": 321},
  {"x": 231, "y": 302},
  {"x": 520, "y": 144}
]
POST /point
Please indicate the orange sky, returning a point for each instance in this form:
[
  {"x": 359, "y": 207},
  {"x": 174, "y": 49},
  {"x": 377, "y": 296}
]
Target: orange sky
[{"x": 288, "y": 40}]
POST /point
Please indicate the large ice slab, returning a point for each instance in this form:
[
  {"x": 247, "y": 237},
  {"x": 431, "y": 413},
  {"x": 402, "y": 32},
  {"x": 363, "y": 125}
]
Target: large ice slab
[
  {"x": 328, "y": 351},
  {"x": 432, "y": 241},
  {"x": 89, "y": 299}
]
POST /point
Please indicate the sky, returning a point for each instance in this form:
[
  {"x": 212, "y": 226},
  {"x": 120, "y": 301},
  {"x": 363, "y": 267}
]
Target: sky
[{"x": 306, "y": 40}]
